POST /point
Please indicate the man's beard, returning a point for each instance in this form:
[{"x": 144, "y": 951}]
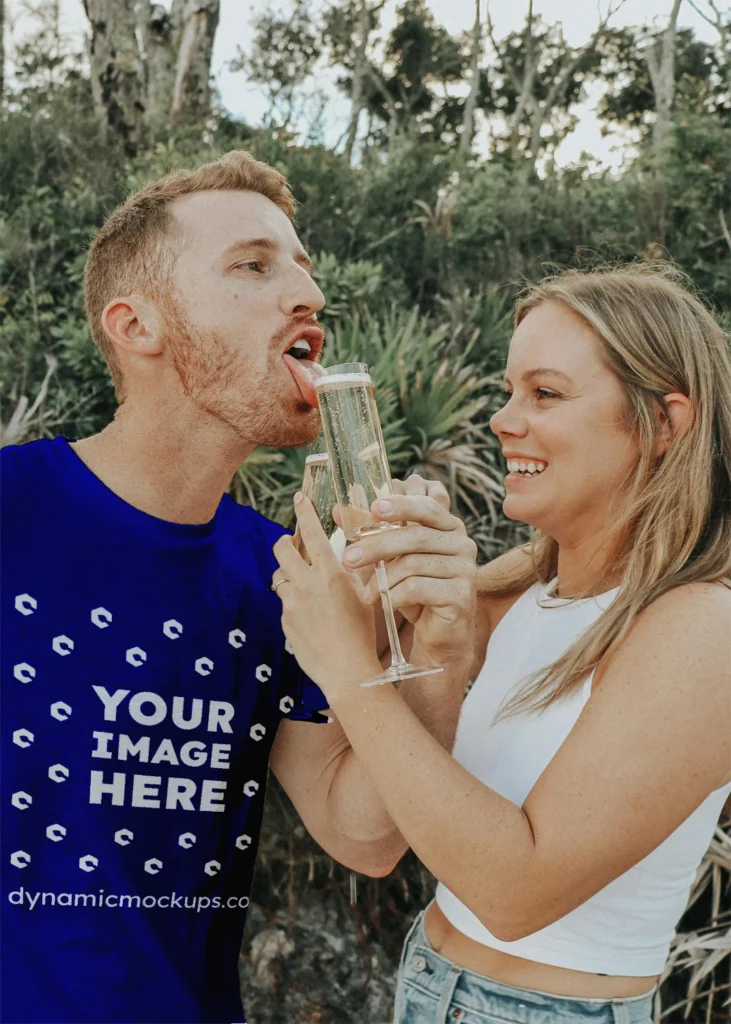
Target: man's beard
[{"x": 224, "y": 384}]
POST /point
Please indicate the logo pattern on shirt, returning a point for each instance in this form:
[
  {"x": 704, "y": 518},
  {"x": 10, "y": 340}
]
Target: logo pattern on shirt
[{"x": 144, "y": 794}]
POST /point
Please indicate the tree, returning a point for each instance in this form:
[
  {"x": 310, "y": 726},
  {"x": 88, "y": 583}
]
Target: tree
[
  {"x": 542, "y": 76},
  {"x": 148, "y": 66},
  {"x": 410, "y": 89},
  {"x": 660, "y": 56},
  {"x": 117, "y": 71},
  {"x": 158, "y": 30},
  {"x": 2, "y": 50},
  {"x": 723, "y": 27},
  {"x": 629, "y": 99},
  {"x": 283, "y": 53},
  {"x": 191, "y": 89},
  {"x": 468, "y": 123},
  {"x": 365, "y": 24},
  {"x": 347, "y": 33}
]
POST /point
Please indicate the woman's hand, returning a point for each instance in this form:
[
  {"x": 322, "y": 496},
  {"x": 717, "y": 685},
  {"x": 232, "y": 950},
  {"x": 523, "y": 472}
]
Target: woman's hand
[
  {"x": 431, "y": 568},
  {"x": 325, "y": 615}
]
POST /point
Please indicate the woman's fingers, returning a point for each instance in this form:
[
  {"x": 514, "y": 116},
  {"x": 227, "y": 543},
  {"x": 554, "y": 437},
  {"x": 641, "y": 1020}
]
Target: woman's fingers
[
  {"x": 416, "y": 485},
  {"x": 436, "y": 567},
  {"x": 419, "y": 563},
  {"x": 449, "y": 599},
  {"x": 410, "y": 539},
  {"x": 415, "y": 508}
]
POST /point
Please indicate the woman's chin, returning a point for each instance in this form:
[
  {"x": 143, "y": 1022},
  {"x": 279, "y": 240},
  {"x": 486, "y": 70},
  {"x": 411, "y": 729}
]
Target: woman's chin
[{"x": 517, "y": 508}]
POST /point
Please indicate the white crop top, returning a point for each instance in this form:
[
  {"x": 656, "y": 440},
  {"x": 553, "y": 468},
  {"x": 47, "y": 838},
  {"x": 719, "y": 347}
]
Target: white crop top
[{"x": 626, "y": 927}]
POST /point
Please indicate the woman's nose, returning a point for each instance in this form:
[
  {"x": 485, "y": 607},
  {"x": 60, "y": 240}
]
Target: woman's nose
[{"x": 508, "y": 420}]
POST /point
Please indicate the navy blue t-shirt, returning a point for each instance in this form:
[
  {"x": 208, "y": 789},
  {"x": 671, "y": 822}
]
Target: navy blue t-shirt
[{"x": 144, "y": 674}]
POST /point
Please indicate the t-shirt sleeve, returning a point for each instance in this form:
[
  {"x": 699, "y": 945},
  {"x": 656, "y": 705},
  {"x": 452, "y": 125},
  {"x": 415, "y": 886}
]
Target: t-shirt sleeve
[{"x": 302, "y": 700}]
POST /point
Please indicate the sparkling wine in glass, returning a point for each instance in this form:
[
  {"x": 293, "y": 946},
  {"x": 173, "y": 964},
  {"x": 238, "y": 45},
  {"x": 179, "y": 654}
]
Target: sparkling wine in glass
[
  {"x": 361, "y": 475},
  {"x": 317, "y": 485}
]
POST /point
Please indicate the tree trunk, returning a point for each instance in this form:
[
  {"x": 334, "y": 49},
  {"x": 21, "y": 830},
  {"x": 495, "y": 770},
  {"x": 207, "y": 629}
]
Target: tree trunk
[
  {"x": 2, "y": 50},
  {"x": 191, "y": 89},
  {"x": 525, "y": 95},
  {"x": 117, "y": 71},
  {"x": 724, "y": 30},
  {"x": 661, "y": 63},
  {"x": 393, "y": 114},
  {"x": 468, "y": 122},
  {"x": 157, "y": 32},
  {"x": 359, "y": 72}
]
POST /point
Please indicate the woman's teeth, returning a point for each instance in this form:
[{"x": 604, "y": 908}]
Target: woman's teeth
[{"x": 526, "y": 468}]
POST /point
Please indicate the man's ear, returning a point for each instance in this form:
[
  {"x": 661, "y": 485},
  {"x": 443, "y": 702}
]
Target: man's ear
[
  {"x": 135, "y": 325},
  {"x": 675, "y": 420}
]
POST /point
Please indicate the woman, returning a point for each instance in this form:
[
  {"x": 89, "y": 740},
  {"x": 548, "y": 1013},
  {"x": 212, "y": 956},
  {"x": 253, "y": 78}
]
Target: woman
[{"x": 593, "y": 752}]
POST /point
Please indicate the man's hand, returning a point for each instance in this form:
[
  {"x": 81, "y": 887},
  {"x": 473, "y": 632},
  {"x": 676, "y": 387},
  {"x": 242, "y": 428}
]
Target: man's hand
[{"x": 324, "y": 615}]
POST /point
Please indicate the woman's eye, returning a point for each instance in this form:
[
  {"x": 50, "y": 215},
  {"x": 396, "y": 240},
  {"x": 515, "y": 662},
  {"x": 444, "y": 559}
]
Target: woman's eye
[
  {"x": 540, "y": 393},
  {"x": 255, "y": 265}
]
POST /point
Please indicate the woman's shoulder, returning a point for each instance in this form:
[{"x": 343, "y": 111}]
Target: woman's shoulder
[
  {"x": 684, "y": 616},
  {"x": 672, "y": 668},
  {"x": 700, "y": 606},
  {"x": 674, "y": 630}
]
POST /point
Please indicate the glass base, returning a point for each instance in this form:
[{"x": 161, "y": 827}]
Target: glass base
[{"x": 396, "y": 673}]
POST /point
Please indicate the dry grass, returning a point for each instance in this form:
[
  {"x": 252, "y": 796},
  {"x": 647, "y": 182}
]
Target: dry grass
[
  {"x": 696, "y": 983},
  {"x": 293, "y": 874}
]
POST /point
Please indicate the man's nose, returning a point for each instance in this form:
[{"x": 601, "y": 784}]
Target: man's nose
[{"x": 304, "y": 297}]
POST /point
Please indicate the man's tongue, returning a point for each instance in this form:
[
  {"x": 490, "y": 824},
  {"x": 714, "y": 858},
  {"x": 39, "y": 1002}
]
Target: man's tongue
[{"x": 304, "y": 372}]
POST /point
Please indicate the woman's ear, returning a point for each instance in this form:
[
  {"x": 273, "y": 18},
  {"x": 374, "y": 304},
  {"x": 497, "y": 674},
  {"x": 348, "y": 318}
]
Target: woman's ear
[{"x": 676, "y": 419}]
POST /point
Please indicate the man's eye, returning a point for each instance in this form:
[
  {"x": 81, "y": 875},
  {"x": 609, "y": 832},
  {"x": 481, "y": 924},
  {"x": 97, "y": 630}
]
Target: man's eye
[
  {"x": 544, "y": 393},
  {"x": 255, "y": 265}
]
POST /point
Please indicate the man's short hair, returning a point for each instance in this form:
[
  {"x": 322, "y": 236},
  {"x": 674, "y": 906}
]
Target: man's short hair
[{"x": 135, "y": 250}]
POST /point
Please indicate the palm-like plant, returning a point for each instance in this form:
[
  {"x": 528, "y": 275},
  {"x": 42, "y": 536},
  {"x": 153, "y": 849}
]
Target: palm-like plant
[{"x": 432, "y": 402}]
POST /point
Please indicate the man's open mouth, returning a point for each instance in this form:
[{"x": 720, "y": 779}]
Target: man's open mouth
[
  {"x": 301, "y": 349},
  {"x": 300, "y": 357}
]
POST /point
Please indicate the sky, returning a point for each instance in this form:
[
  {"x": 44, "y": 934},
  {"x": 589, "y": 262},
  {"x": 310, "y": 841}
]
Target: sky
[{"x": 578, "y": 17}]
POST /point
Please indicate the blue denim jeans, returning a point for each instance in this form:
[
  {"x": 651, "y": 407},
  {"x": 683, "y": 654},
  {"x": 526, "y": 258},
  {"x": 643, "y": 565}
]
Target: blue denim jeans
[{"x": 433, "y": 990}]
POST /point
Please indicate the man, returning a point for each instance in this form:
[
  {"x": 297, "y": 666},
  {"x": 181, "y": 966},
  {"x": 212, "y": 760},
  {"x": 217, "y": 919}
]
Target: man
[{"x": 145, "y": 675}]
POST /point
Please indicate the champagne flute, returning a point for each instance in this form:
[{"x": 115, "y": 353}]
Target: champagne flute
[
  {"x": 317, "y": 485},
  {"x": 360, "y": 474}
]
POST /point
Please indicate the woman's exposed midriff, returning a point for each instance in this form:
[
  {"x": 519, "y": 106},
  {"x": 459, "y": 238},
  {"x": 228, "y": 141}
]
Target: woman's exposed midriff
[{"x": 453, "y": 945}]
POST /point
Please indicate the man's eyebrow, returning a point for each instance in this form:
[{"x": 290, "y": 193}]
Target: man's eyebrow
[
  {"x": 268, "y": 246},
  {"x": 541, "y": 371}
]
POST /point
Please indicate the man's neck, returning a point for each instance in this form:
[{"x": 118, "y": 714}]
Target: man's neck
[{"x": 170, "y": 466}]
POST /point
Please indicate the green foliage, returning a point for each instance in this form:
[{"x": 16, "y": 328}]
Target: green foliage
[
  {"x": 420, "y": 251},
  {"x": 629, "y": 97},
  {"x": 553, "y": 56},
  {"x": 283, "y": 52}
]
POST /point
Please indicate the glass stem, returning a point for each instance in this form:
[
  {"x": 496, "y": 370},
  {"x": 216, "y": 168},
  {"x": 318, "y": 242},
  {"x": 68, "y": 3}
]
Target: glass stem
[{"x": 397, "y": 657}]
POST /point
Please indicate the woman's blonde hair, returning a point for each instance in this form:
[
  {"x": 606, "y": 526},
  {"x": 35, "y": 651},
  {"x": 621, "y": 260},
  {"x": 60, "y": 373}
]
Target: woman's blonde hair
[{"x": 675, "y": 524}]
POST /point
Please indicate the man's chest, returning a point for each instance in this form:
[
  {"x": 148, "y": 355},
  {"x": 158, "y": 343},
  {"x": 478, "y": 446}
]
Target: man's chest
[{"x": 136, "y": 705}]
